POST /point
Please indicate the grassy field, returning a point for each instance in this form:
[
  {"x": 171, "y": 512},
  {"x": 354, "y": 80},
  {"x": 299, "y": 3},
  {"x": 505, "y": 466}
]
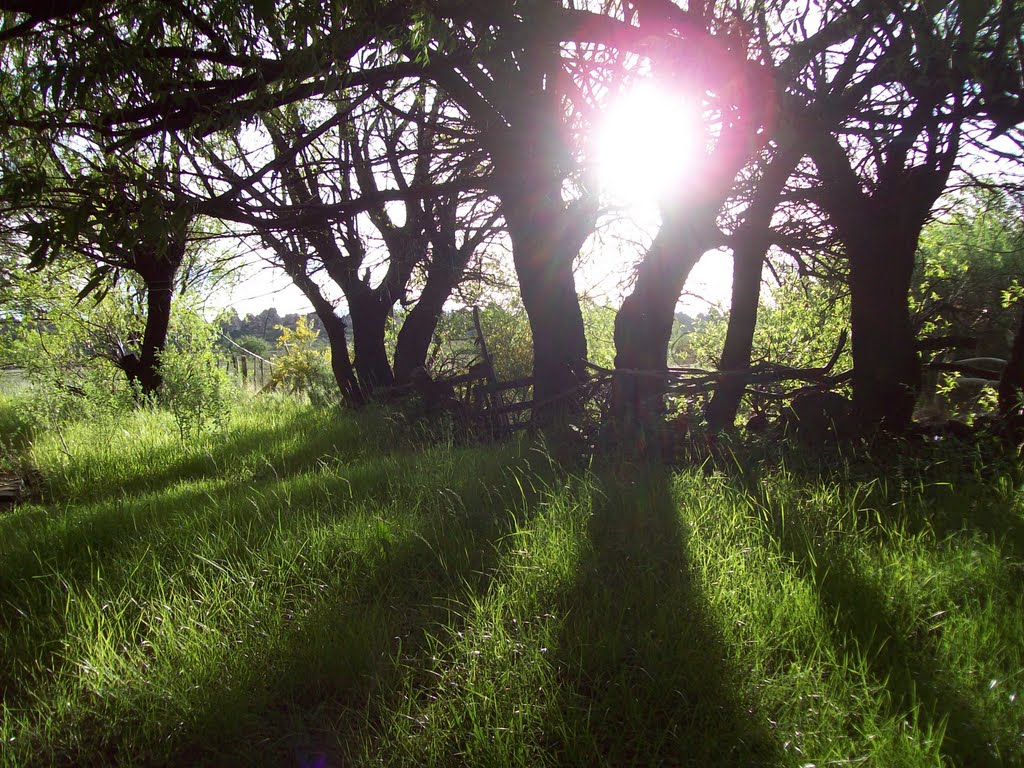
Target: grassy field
[
  {"x": 306, "y": 588},
  {"x": 12, "y": 381}
]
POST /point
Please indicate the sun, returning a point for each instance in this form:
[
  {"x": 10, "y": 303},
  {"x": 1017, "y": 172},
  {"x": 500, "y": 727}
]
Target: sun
[{"x": 647, "y": 145}]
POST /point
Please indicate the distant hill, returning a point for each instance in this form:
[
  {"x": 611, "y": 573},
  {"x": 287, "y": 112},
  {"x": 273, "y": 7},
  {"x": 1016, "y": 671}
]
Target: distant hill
[{"x": 264, "y": 325}]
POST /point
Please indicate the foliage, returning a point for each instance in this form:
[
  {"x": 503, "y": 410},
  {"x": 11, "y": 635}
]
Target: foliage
[
  {"x": 506, "y": 331},
  {"x": 968, "y": 263},
  {"x": 68, "y": 348},
  {"x": 301, "y": 365},
  {"x": 255, "y": 344},
  {"x": 599, "y": 322},
  {"x": 263, "y": 325},
  {"x": 799, "y": 323},
  {"x": 962, "y": 398},
  {"x": 195, "y": 390}
]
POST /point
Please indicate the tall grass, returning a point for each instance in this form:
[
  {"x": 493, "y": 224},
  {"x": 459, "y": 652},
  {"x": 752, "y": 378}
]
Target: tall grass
[{"x": 311, "y": 588}]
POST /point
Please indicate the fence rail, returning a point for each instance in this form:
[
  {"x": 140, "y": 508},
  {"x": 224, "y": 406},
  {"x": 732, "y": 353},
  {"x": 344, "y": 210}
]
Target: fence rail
[{"x": 249, "y": 369}]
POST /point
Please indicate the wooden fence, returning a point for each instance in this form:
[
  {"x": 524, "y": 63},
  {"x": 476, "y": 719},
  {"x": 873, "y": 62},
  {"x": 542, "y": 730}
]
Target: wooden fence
[{"x": 250, "y": 370}]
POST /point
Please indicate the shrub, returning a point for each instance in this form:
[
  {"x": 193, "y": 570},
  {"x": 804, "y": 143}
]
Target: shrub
[
  {"x": 302, "y": 368},
  {"x": 195, "y": 391}
]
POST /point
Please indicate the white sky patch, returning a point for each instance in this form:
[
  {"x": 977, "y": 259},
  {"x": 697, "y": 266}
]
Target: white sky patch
[{"x": 264, "y": 288}]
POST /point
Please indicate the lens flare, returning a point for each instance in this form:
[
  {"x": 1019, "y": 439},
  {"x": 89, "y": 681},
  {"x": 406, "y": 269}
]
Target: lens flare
[{"x": 647, "y": 146}]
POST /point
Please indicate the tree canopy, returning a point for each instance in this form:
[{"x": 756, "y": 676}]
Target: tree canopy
[{"x": 383, "y": 147}]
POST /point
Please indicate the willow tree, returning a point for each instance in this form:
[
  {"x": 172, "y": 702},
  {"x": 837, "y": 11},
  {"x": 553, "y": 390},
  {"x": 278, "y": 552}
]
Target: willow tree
[
  {"x": 67, "y": 197},
  {"x": 888, "y": 164}
]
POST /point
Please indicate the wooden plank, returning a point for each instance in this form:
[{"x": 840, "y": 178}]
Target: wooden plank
[
  {"x": 502, "y": 386},
  {"x": 464, "y": 378},
  {"x": 504, "y": 410},
  {"x": 11, "y": 489}
]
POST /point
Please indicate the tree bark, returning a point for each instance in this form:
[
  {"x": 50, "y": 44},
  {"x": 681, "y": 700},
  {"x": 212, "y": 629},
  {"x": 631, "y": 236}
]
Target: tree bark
[
  {"x": 146, "y": 370},
  {"x": 546, "y": 238},
  {"x": 158, "y": 268},
  {"x": 752, "y": 242},
  {"x": 748, "y": 260},
  {"x": 417, "y": 331},
  {"x": 886, "y": 365},
  {"x": 341, "y": 366},
  {"x": 369, "y": 309},
  {"x": 643, "y": 325},
  {"x": 881, "y": 229}
]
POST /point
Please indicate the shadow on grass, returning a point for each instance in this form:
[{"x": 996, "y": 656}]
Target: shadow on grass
[
  {"x": 310, "y": 699},
  {"x": 303, "y": 439},
  {"x": 899, "y": 657},
  {"x": 298, "y": 695},
  {"x": 321, "y": 695},
  {"x": 645, "y": 680},
  {"x": 946, "y": 487}
]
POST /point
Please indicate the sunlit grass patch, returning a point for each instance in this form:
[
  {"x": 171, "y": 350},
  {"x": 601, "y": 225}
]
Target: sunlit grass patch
[{"x": 311, "y": 586}]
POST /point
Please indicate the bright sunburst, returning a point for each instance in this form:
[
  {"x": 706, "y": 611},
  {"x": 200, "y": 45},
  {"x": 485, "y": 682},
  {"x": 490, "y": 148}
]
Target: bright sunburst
[{"x": 647, "y": 145}]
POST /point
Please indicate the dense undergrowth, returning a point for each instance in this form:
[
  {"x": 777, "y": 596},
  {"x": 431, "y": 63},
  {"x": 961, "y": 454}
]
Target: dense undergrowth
[{"x": 305, "y": 587}]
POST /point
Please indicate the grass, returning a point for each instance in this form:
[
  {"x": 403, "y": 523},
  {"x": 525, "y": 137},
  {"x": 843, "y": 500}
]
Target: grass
[{"x": 308, "y": 588}]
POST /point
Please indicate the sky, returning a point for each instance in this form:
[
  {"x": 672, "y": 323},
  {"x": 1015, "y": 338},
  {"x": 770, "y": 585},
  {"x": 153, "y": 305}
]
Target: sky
[{"x": 600, "y": 277}]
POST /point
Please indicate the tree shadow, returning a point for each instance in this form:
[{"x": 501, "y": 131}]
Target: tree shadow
[
  {"x": 311, "y": 700},
  {"x": 645, "y": 678},
  {"x": 900, "y": 657},
  {"x": 944, "y": 488},
  {"x": 323, "y": 692},
  {"x": 248, "y": 453},
  {"x": 296, "y": 683}
]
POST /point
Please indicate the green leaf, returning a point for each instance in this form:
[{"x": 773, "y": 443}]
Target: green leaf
[{"x": 94, "y": 282}]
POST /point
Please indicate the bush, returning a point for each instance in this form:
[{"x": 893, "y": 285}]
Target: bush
[
  {"x": 194, "y": 390},
  {"x": 302, "y": 368},
  {"x": 255, "y": 344}
]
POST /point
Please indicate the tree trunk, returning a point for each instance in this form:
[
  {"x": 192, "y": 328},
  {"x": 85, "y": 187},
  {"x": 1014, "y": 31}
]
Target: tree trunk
[
  {"x": 546, "y": 238},
  {"x": 748, "y": 259},
  {"x": 417, "y": 330},
  {"x": 643, "y": 324},
  {"x": 1011, "y": 384},
  {"x": 752, "y": 240},
  {"x": 886, "y": 366},
  {"x": 369, "y": 313},
  {"x": 334, "y": 326},
  {"x": 146, "y": 370},
  {"x": 341, "y": 366},
  {"x": 881, "y": 232}
]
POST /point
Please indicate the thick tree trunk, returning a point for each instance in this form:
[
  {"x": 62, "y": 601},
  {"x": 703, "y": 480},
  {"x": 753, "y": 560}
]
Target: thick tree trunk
[
  {"x": 417, "y": 330},
  {"x": 643, "y": 324},
  {"x": 886, "y": 365},
  {"x": 1011, "y": 384},
  {"x": 546, "y": 238},
  {"x": 146, "y": 370},
  {"x": 369, "y": 312},
  {"x": 158, "y": 266},
  {"x": 752, "y": 241},
  {"x": 881, "y": 232},
  {"x": 341, "y": 366}
]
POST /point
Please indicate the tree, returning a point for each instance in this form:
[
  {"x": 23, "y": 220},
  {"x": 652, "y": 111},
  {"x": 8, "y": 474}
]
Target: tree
[
  {"x": 408, "y": 137},
  {"x": 118, "y": 223}
]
